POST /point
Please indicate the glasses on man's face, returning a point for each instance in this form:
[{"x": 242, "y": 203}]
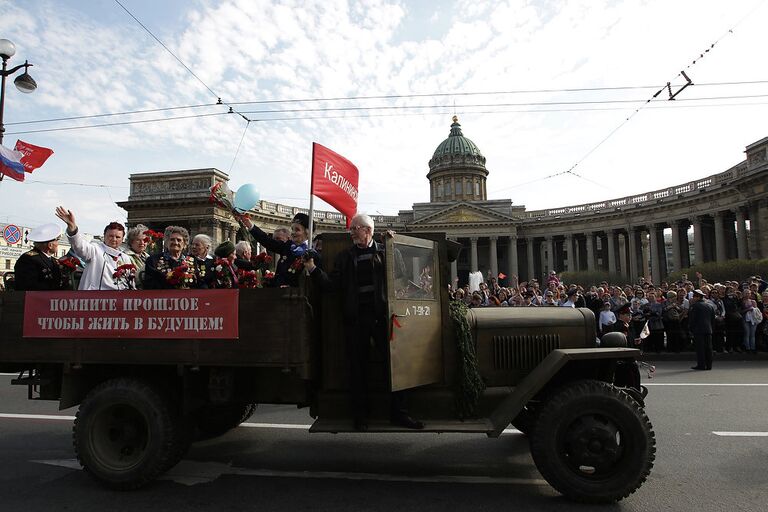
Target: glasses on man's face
[{"x": 356, "y": 228}]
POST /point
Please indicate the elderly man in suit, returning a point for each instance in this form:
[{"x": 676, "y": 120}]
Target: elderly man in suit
[{"x": 39, "y": 269}]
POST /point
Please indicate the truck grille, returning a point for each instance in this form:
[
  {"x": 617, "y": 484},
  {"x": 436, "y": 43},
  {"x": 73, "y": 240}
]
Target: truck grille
[{"x": 522, "y": 352}]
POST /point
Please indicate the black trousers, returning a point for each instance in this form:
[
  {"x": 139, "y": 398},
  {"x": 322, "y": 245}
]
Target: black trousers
[
  {"x": 703, "y": 344},
  {"x": 367, "y": 334}
]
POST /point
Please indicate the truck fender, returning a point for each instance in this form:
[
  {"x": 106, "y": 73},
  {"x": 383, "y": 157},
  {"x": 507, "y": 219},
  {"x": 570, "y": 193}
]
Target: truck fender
[{"x": 511, "y": 406}]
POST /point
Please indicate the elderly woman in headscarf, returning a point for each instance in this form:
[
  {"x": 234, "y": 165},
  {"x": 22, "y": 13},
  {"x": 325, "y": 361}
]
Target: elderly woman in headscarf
[
  {"x": 136, "y": 241},
  {"x": 199, "y": 252},
  {"x": 290, "y": 252},
  {"x": 224, "y": 269},
  {"x": 171, "y": 269}
]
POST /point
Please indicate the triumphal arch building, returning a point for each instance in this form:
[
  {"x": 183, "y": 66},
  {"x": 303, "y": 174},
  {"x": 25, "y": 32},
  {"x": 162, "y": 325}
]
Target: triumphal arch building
[{"x": 715, "y": 218}]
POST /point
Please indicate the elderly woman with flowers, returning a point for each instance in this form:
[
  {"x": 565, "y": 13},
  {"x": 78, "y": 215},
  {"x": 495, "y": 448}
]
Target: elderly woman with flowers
[
  {"x": 290, "y": 252},
  {"x": 137, "y": 241},
  {"x": 171, "y": 269}
]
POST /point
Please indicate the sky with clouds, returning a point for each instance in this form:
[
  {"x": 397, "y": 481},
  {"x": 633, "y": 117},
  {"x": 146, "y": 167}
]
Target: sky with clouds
[{"x": 539, "y": 86}]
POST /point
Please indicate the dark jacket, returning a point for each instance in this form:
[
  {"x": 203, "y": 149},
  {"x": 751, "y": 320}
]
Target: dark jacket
[
  {"x": 35, "y": 271},
  {"x": 287, "y": 254},
  {"x": 701, "y": 317},
  {"x": 343, "y": 278}
]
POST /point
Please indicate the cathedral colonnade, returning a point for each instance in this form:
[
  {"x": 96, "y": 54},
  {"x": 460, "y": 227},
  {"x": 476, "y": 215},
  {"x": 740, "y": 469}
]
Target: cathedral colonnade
[{"x": 651, "y": 250}]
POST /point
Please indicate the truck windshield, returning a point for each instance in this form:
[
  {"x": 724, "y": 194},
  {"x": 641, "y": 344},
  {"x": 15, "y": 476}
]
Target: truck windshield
[{"x": 414, "y": 274}]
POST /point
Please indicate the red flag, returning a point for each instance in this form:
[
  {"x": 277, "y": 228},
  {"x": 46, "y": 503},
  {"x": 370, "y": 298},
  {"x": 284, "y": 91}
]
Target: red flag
[
  {"x": 34, "y": 156},
  {"x": 334, "y": 180},
  {"x": 502, "y": 275}
]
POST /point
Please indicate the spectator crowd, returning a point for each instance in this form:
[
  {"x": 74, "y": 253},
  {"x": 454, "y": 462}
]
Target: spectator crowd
[{"x": 659, "y": 312}]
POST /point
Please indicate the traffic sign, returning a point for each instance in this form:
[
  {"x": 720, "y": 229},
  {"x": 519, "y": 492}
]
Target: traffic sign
[{"x": 12, "y": 234}]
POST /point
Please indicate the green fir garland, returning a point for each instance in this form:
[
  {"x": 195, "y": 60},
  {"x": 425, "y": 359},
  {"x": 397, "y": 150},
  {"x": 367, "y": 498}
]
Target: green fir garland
[{"x": 470, "y": 385}]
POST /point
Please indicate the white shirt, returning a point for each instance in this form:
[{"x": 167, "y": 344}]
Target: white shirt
[{"x": 102, "y": 261}]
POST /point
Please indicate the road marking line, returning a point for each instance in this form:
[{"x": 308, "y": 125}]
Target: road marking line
[
  {"x": 189, "y": 472},
  {"x": 693, "y": 384},
  {"x": 741, "y": 434},
  {"x": 37, "y": 416},
  {"x": 276, "y": 425}
]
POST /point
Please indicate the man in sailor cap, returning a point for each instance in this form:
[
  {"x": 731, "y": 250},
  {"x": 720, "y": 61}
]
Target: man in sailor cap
[{"x": 39, "y": 269}]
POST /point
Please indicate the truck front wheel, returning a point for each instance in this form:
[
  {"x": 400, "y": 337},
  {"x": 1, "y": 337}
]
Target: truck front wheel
[
  {"x": 592, "y": 442},
  {"x": 125, "y": 433}
]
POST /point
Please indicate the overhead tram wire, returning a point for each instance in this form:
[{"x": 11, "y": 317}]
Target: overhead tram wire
[
  {"x": 218, "y": 98},
  {"x": 645, "y": 104},
  {"x": 400, "y": 96},
  {"x": 112, "y": 114},
  {"x": 405, "y": 107},
  {"x": 118, "y": 123}
]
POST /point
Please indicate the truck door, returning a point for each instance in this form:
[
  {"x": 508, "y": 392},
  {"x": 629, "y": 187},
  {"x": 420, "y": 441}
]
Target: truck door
[{"x": 415, "y": 348}]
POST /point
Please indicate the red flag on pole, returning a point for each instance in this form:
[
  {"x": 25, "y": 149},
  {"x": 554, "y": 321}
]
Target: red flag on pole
[
  {"x": 334, "y": 180},
  {"x": 34, "y": 156}
]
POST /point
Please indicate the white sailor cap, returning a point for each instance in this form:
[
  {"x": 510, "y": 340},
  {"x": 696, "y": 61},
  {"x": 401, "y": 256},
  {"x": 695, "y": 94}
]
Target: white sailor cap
[{"x": 44, "y": 233}]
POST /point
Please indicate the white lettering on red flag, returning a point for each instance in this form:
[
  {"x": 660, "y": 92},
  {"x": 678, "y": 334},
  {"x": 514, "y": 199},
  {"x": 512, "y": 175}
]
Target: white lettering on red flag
[
  {"x": 334, "y": 180},
  {"x": 34, "y": 156}
]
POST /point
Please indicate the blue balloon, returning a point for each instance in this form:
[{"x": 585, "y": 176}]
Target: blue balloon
[{"x": 246, "y": 197}]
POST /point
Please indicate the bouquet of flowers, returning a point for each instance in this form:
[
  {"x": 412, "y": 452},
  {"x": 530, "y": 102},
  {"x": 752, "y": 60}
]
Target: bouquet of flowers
[
  {"x": 296, "y": 266},
  {"x": 223, "y": 274},
  {"x": 124, "y": 277},
  {"x": 68, "y": 265},
  {"x": 262, "y": 260},
  {"x": 180, "y": 277},
  {"x": 267, "y": 278},
  {"x": 248, "y": 279},
  {"x": 221, "y": 196},
  {"x": 152, "y": 238}
]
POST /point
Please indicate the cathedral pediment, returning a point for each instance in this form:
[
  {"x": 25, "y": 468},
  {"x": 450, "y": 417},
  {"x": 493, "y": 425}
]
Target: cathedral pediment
[{"x": 463, "y": 213}]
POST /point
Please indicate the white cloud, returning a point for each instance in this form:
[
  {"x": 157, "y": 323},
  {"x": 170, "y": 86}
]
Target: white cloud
[{"x": 254, "y": 51}]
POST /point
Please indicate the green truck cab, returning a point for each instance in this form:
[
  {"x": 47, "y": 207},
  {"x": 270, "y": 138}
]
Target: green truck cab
[{"x": 143, "y": 400}]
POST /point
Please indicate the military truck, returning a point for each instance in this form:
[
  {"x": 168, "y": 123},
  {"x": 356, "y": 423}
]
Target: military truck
[{"x": 151, "y": 371}]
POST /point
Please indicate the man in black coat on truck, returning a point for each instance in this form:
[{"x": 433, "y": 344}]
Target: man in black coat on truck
[{"x": 359, "y": 274}]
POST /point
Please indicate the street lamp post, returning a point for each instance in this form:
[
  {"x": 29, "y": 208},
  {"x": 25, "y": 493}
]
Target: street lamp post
[{"x": 23, "y": 82}]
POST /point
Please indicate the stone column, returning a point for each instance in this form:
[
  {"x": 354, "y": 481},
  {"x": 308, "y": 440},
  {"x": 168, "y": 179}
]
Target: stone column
[
  {"x": 531, "y": 267},
  {"x": 591, "y": 251},
  {"x": 570, "y": 255},
  {"x": 721, "y": 253},
  {"x": 653, "y": 233},
  {"x": 512, "y": 257},
  {"x": 677, "y": 253},
  {"x": 698, "y": 240},
  {"x": 611, "y": 237},
  {"x": 644, "y": 255},
  {"x": 634, "y": 269},
  {"x": 741, "y": 234},
  {"x": 494, "y": 257},
  {"x": 473, "y": 254},
  {"x": 550, "y": 254}
]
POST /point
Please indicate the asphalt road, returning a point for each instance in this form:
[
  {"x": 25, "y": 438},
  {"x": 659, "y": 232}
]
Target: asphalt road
[{"x": 712, "y": 451}]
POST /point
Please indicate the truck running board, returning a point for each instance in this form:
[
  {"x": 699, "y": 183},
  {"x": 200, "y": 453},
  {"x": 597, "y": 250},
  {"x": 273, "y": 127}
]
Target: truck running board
[{"x": 335, "y": 426}]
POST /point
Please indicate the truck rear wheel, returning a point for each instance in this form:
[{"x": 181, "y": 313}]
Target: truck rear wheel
[
  {"x": 216, "y": 420},
  {"x": 125, "y": 434},
  {"x": 593, "y": 443}
]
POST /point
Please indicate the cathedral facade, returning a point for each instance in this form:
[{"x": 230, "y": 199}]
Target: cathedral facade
[{"x": 722, "y": 213}]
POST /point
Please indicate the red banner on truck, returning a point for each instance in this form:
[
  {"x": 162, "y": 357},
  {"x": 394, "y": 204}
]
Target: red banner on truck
[{"x": 132, "y": 314}]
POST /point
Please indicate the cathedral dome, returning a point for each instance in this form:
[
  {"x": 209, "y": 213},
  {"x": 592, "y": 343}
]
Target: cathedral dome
[
  {"x": 457, "y": 144},
  {"x": 457, "y": 169}
]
